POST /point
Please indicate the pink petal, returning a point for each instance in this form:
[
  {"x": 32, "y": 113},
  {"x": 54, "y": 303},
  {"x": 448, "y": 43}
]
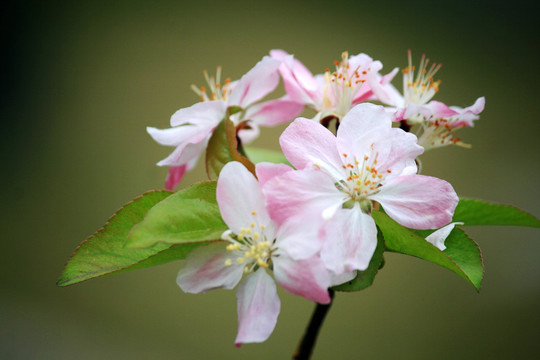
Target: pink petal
[
  {"x": 350, "y": 241},
  {"x": 266, "y": 171},
  {"x": 256, "y": 83},
  {"x": 306, "y": 143},
  {"x": 258, "y": 308},
  {"x": 387, "y": 93},
  {"x": 299, "y": 238},
  {"x": 306, "y": 194},
  {"x": 307, "y": 278},
  {"x": 208, "y": 112},
  {"x": 438, "y": 237},
  {"x": 240, "y": 199},
  {"x": 417, "y": 201},
  {"x": 299, "y": 82},
  {"x": 205, "y": 270},
  {"x": 440, "y": 110},
  {"x": 274, "y": 112},
  {"x": 176, "y": 173},
  {"x": 397, "y": 152},
  {"x": 363, "y": 124}
]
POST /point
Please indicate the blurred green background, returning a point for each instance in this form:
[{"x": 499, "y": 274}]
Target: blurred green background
[{"x": 82, "y": 80}]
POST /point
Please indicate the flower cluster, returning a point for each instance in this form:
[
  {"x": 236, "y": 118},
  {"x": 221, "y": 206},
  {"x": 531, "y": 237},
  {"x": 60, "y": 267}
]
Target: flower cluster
[{"x": 311, "y": 225}]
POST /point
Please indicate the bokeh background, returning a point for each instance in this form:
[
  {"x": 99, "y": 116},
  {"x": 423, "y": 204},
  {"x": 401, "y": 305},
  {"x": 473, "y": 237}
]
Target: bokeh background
[{"x": 82, "y": 80}]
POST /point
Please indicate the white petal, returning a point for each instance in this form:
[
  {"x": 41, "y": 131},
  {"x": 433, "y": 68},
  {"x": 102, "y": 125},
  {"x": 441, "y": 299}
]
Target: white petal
[
  {"x": 258, "y": 308},
  {"x": 202, "y": 113},
  {"x": 307, "y": 278},
  {"x": 205, "y": 270},
  {"x": 418, "y": 201},
  {"x": 240, "y": 199},
  {"x": 350, "y": 239},
  {"x": 438, "y": 237}
]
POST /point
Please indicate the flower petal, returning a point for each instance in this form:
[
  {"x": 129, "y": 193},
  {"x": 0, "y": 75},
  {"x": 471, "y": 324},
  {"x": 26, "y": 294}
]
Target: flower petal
[
  {"x": 306, "y": 143},
  {"x": 307, "y": 278},
  {"x": 299, "y": 238},
  {"x": 240, "y": 199},
  {"x": 418, "y": 201},
  {"x": 438, "y": 237},
  {"x": 205, "y": 270},
  {"x": 176, "y": 173},
  {"x": 258, "y": 308},
  {"x": 350, "y": 239},
  {"x": 266, "y": 171},
  {"x": 302, "y": 193},
  {"x": 207, "y": 112},
  {"x": 256, "y": 83},
  {"x": 299, "y": 82},
  {"x": 186, "y": 154},
  {"x": 363, "y": 124},
  {"x": 274, "y": 112}
]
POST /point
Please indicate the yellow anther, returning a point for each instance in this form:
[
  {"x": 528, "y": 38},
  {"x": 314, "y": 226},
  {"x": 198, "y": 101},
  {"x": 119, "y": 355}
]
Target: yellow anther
[
  {"x": 240, "y": 260},
  {"x": 254, "y": 212},
  {"x": 230, "y": 247},
  {"x": 248, "y": 231},
  {"x": 228, "y": 262},
  {"x": 252, "y": 224},
  {"x": 262, "y": 227},
  {"x": 240, "y": 236},
  {"x": 262, "y": 263},
  {"x": 256, "y": 236}
]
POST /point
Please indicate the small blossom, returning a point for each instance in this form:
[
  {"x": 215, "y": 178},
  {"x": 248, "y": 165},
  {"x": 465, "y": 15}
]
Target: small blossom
[
  {"x": 340, "y": 179},
  {"x": 192, "y": 127},
  {"x": 355, "y": 79},
  {"x": 253, "y": 246},
  {"x": 436, "y": 122}
]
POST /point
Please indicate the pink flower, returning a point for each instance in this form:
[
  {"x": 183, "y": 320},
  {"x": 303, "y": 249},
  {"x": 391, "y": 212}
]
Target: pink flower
[
  {"x": 437, "y": 121},
  {"x": 340, "y": 179},
  {"x": 253, "y": 245},
  {"x": 332, "y": 94},
  {"x": 192, "y": 127}
]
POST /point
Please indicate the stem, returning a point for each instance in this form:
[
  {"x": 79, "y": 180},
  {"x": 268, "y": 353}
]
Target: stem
[{"x": 305, "y": 347}]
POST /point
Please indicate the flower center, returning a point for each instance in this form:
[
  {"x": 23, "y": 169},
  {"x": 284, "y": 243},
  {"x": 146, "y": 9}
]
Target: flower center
[
  {"x": 342, "y": 85},
  {"x": 217, "y": 90},
  {"x": 250, "y": 247},
  {"x": 420, "y": 90},
  {"x": 364, "y": 178}
]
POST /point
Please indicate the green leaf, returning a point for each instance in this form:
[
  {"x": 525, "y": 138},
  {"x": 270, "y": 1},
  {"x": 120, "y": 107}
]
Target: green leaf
[
  {"x": 477, "y": 212},
  {"x": 461, "y": 256},
  {"x": 258, "y": 155},
  {"x": 188, "y": 216},
  {"x": 223, "y": 148},
  {"x": 365, "y": 278},
  {"x": 103, "y": 253}
]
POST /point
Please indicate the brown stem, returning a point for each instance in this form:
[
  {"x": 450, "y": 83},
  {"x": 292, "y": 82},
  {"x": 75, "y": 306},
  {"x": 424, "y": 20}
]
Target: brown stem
[{"x": 305, "y": 347}]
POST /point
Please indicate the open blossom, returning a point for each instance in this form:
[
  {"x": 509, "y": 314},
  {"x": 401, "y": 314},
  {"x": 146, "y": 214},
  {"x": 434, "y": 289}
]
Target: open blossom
[
  {"x": 436, "y": 120},
  {"x": 332, "y": 94},
  {"x": 252, "y": 246},
  {"x": 340, "y": 179},
  {"x": 192, "y": 127}
]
